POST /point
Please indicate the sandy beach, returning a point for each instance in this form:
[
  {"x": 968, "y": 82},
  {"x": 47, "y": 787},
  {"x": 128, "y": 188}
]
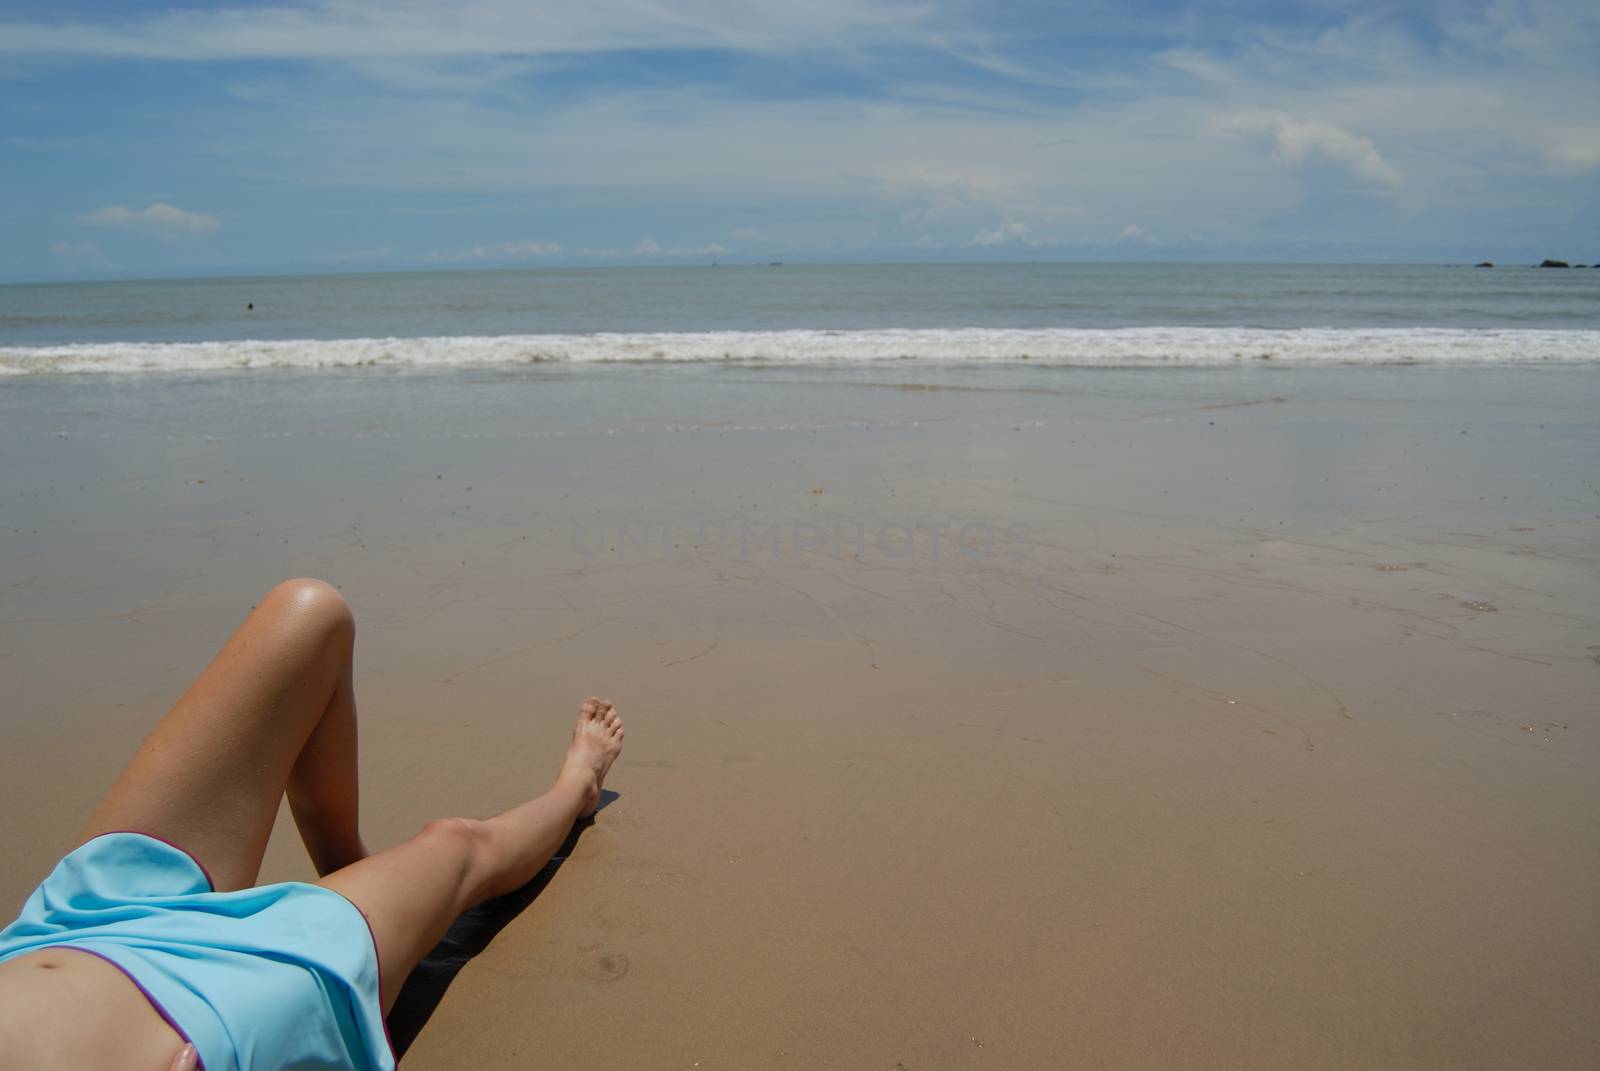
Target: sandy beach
[{"x": 1238, "y": 718}]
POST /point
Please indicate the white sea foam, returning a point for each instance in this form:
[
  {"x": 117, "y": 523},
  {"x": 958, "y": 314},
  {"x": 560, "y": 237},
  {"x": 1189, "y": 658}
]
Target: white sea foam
[{"x": 1129, "y": 347}]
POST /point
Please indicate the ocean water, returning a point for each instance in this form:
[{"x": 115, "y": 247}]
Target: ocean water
[{"x": 1080, "y": 315}]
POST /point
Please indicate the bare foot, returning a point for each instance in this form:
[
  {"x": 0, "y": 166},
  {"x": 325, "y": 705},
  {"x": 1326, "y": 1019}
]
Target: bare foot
[{"x": 596, "y": 743}]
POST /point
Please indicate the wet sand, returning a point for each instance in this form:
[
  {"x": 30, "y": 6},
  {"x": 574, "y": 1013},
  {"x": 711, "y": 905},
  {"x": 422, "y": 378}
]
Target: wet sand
[{"x": 1240, "y": 718}]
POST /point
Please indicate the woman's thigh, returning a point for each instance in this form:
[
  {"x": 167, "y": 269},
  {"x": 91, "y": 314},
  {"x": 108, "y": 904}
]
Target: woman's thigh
[
  {"x": 410, "y": 894},
  {"x": 211, "y": 775}
]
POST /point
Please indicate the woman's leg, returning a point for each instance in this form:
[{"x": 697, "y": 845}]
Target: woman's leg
[
  {"x": 411, "y": 893},
  {"x": 273, "y": 712}
]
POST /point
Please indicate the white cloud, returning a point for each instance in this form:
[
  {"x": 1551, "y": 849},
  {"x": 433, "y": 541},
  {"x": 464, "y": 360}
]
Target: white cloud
[
  {"x": 500, "y": 251},
  {"x": 531, "y": 249},
  {"x": 843, "y": 175},
  {"x": 1010, "y": 232},
  {"x": 1543, "y": 32},
  {"x": 650, "y": 248},
  {"x": 1295, "y": 141},
  {"x": 364, "y": 29},
  {"x": 356, "y": 256},
  {"x": 1574, "y": 148},
  {"x": 163, "y": 219},
  {"x": 1199, "y": 64},
  {"x": 1484, "y": 114},
  {"x": 80, "y": 256}
]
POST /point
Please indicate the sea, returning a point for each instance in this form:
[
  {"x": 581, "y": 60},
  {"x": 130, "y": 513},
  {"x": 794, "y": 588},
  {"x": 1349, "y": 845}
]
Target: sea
[{"x": 1074, "y": 315}]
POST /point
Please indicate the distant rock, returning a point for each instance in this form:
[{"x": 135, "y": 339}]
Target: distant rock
[
  {"x": 1484, "y": 264},
  {"x": 1555, "y": 264}
]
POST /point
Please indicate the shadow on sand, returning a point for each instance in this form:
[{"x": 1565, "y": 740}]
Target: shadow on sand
[{"x": 469, "y": 935}]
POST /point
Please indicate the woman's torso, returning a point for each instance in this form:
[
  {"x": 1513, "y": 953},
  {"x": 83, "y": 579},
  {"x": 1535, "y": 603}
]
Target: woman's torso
[{"x": 61, "y": 1007}]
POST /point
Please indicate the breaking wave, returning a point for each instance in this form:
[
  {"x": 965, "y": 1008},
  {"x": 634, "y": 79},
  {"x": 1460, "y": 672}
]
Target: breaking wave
[{"x": 1128, "y": 347}]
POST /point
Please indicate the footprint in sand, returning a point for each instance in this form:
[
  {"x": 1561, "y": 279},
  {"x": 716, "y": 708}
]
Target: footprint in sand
[
  {"x": 1481, "y": 607},
  {"x": 606, "y": 968}
]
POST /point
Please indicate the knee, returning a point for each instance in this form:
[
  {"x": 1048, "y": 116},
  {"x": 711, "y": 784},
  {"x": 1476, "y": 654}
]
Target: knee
[
  {"x": 461, "y": 844},
  {"x": 316, "y": 604},
  {"x": 464, "y": 833}
]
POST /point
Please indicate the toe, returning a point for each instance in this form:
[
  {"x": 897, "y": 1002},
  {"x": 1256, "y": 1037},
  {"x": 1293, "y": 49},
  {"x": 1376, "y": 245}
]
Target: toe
[{"x": 590, "y": 708}]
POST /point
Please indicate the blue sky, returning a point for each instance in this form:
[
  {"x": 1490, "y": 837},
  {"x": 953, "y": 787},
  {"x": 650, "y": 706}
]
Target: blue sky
[{"x": 345, "y": 135}]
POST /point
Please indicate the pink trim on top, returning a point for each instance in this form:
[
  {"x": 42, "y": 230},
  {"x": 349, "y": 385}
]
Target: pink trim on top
[
  {"x": 154, "y": 1003},
  {"x": 141, "y": 833},
  {"x": 377, "y": 958}
]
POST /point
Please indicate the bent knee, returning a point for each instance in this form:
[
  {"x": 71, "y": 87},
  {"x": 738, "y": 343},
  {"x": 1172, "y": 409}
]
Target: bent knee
[
  {"x": 459, "y": 843},
  {"x": 317, "y": 602},
  {"x": 467, "y": 832}
]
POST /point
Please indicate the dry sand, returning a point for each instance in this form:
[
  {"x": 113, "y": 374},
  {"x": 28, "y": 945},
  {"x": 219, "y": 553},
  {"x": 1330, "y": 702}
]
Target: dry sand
[{"x": 1237, "y": 719}]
